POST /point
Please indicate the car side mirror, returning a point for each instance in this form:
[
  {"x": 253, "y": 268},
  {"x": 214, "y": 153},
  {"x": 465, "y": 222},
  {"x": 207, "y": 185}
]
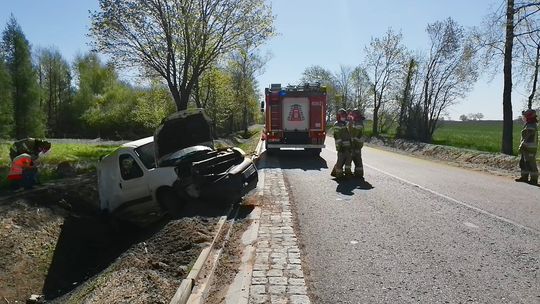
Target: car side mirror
[{"x": 262, "y": 106}]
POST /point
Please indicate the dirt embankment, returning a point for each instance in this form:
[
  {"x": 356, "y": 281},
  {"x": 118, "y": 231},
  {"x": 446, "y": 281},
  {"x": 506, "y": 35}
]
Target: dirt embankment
[
  {"x": 496, "y": 163},
  {"x": 53, "y": 242}
]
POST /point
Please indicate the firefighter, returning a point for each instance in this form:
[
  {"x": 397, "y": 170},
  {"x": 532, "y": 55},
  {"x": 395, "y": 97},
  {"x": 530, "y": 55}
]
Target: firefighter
[
  {"x": 343, "y": 145},
  {"x": 31, "y": 146},
  {"x": 22, "y": 172},
  {"x": 356, "y": 131},
  {"x": 528, "y": 148}
]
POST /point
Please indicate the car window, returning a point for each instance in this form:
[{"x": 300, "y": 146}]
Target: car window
[
  {"x": 146, "y": 155},
  {"x": 129, "y": 169}
]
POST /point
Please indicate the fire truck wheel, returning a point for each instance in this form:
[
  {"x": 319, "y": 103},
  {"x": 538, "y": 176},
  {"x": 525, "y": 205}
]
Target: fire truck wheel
[{"x": 314, "y": 152}]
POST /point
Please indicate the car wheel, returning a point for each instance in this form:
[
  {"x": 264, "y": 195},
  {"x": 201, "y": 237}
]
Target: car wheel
[
  {"x": 169, "y": 202},
  {"x": 314, "y": 152}
]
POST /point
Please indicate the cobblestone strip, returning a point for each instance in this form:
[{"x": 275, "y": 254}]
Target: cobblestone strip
[{"x": 277, "y": 273}]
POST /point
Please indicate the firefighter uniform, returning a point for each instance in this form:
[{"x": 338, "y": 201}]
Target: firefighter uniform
[
  {"x": 528, "y": 148},
  {"x": 343, "y": 145},
  {"x": 356, "y": 131},
  {"x": 30, "y": 146}
]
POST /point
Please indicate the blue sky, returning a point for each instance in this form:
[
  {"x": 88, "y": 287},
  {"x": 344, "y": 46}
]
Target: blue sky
[{"x": 326, "y": 33}]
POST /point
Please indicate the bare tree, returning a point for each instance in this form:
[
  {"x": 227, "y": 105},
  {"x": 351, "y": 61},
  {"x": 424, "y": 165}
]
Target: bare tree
[
  {"x": 343, "y": 80},
  {"x": 384, "y": 58},
  {"x": 361, "y": 87},
  {"x": 178, "y": 40},
  {"x": 529, "y": 56},
  {"x": 449, "y": 72},
  {"x": 512, "y": 16}
]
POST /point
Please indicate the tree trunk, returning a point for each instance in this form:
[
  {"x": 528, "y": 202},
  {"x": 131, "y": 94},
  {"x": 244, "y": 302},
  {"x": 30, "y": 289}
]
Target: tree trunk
[
  {"x": 535, "y": 80},
  {"x": 375, "y": 114},
  {"x": 375, "y": 121},
  {"x": 507, "y": 91}
]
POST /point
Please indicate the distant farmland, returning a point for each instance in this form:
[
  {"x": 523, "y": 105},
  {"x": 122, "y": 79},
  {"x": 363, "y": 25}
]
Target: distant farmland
[{"x": 477, "y": 135}]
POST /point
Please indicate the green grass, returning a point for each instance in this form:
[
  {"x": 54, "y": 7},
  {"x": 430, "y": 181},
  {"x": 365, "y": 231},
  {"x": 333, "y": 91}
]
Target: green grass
[
  {"x": 252, "y": 139},
  {"x": 476, "y": 135}
]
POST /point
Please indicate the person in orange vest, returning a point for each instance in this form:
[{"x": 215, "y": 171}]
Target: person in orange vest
[{"x": 22, "y": 172}]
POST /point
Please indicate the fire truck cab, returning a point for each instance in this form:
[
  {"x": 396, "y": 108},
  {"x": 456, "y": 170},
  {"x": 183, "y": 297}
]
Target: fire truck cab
[{"x": 295, "y": 117}]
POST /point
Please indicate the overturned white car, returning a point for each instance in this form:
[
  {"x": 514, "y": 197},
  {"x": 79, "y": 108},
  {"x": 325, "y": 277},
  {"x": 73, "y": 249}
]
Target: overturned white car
[{"x": 158, "y": 174}]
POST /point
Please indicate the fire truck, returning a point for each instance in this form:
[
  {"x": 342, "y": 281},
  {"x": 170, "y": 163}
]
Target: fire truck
[{"x": 295, "y": 117}]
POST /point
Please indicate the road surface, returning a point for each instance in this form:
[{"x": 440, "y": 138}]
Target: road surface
[{"x": 415, "y": 231}]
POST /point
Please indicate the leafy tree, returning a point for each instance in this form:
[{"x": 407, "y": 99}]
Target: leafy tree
[
  {"x": 244, "y": 65},
  {"x": 177, "y": 40},
  {"x": 28, "y": 117},
  {"x": 384, "y": 61},
  {"x": 464, "y": 117},
  {"x": 217, "y": 96},
  {"x": 146, "y": 116},
  {"x": 6, "y": 104},
  {"x": 407, "y": 123},
  {"x": 93, "y": 79},
  {"x": 56, "y": 91}
]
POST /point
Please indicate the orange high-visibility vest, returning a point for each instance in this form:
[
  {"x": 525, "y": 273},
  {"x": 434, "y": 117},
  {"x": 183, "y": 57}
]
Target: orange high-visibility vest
[{"x": 19, "y": 163}]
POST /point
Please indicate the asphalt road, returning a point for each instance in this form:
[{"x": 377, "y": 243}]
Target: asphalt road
[{"x": 415, "y": 231}]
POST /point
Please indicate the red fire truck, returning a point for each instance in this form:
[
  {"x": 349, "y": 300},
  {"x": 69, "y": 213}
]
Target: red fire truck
[{"x": 295, "y": 117}]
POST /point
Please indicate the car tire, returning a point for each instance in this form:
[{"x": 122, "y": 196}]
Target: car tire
[
  {"x": 169, "y": 202},
  {"x": 314, "y": 152}
]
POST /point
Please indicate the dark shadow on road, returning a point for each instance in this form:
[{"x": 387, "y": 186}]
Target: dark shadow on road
[
  {"x": 346, "y": 186},
  {"x": 292, "y": 159}
]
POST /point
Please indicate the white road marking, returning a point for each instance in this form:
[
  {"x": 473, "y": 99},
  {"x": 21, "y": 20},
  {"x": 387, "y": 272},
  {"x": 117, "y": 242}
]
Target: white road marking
[
  {"x": 508, "y": 221},
  {"x": 354, "y": 242},
  {"x": 470, "y": 225}
]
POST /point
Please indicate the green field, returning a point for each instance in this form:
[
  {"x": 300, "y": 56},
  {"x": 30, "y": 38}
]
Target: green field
[{"x": 476, "y": 135}]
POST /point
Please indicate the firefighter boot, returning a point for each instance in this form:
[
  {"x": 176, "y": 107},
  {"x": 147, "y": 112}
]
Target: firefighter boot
[
  {"x": 523, "y": 179},
  {"x": 348, "y": 172},
  {"x": 359, "y": 174},
  {"x": 534, "y": 180}
]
